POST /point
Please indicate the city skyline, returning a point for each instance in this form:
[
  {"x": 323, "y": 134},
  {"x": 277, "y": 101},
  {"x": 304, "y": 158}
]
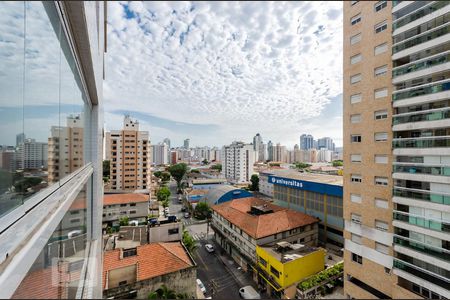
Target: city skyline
[{"x": 223, "y": 72}]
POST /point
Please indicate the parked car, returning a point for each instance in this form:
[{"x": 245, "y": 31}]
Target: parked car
[
  {"x": 133, "y": 223},
  {"x": 201, "y": 286},
  {"x": 187, "y": 215},
  {"x": 248, "y": 292},
  {"x": 74, "y": 233},
  {"x": 209, "y": 248}
]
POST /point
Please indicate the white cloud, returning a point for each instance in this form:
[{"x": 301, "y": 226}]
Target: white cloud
[{"x": 246, "y": 67}]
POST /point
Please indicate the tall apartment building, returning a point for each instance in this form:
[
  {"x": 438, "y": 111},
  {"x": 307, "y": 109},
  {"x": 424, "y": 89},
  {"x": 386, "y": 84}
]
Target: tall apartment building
[
  {"x": 160, "y": 154},
  {"x": 65, "y": 148},
  {"x": 280, "y": 153},
  {"x": 237, "y": 162},
  {"x": 396, "y": 195},
  {"x": 31, "y": 155},
  {"x": 130, "y": 157},
  {"x": 325, "y": 143},
  {"x": 306, "y": 142},
  {"x": 54, "y": 67},
  {"x": 270, "y": 150},
  {"x": 186, "y": 144}
]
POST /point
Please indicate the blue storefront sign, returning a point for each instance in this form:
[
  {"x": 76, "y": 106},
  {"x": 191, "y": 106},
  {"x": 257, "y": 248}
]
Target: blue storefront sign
[{"x": 322, "y": 188}]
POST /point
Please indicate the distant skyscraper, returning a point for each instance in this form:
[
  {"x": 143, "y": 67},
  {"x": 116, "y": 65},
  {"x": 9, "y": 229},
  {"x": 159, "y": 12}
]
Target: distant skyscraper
[
  {"x": 306, "y": 142},
  {"x": 258, "y": 146},
  {"x": 325, "y": 143},
  {"x": 160, "y": 154},
  {"x": 20, "y": 138},
  {"x": 167, "y": 141},
  {"x": 186, "y": 144},
  {"x": 270, "y": 151},
  {"x": 32, "y": 154},
  {"x": 237, "y": 162}
]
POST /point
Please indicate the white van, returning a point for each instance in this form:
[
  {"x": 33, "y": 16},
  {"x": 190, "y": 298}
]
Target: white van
[{"x": 248, "y": 292}]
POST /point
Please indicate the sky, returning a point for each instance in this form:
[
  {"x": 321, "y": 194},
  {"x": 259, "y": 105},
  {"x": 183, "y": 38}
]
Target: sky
[{"x": 216, "y": 72}]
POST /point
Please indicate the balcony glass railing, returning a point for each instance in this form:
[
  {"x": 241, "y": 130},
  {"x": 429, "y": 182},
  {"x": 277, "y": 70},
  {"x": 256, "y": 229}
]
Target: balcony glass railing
[
  {"x": 419, "y": 13},
  {"x": 435, "y": 198},
  {"x": 433, "y": 142},
  {"x": 417, "y": 272},
  {"x": 420, "y": 117},
  {"x": 422, "y": 222},
  {"x": 421, "y": 39},
  {"x": 437, "y": 170},
  {"x": 426, "y": 249},
  {"x": 424, "y": 64},
  {"x": 429, "y": 89}
]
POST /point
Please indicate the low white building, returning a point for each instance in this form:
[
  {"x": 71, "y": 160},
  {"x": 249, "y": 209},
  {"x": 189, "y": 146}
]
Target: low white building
[
  {"x": 265, "y": 187},
  {"x": 116, "y": 206}
]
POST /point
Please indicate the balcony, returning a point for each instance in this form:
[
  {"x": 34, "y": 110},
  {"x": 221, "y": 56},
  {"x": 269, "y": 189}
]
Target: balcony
[
  {"x": 426, "y": 10},
  {"x": 423, "y": 142},
  {"x": 422, "y": 273},
  {"x": 421, "y": 64},
  {"x": 429, "y": 115},
  {"x": 422, "y": 222},
  {"x": 426, "y": 37},
  {"x": 426, "y": 249},
  {"x": 415, "y": 169},
  {"x": 423, "y": 90},
  {"x": 422, "y": 195}
]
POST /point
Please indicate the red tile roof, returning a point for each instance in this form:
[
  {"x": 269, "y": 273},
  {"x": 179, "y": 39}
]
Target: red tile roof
[
  {"x": 111, "y": 199},
  {"x": 282, "y": 219},
  {"x": 153, "y": 260}
]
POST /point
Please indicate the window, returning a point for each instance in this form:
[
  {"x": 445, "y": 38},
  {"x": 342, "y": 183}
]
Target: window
[
  {"x": 380, "y": 225},
  {"x": 381, "y": 27},
  {"x": 381, "y": 48},
  {"x": 355, "y": 198},
  {"x": 380, "y": 5},
  {"x": 355, "y": 78},
  {"x": 356, "y": 218},
  {"x": 357, "y": 258},
  {"x": 381, "y": 180},
  {"x": 355, "y": 118},
  {"x": 355, "y": 98},
  {"x": 381, "y": 159},
  {"x": 122, "y": 205},
  {"x": 274, "y": 272},
  {"x": 354, "y": 2},
  {"x": 355, "y": 138},
  {"x": 355, "y": 39},
  {"x": 173, "y": 231},
  {"x": 356, "y": 238},
  {"x": 380, "y": 114},
  {"x": 381, "y": 203},
  {"x": 380, "y": 71},
  {"x": 355, "y": 158},
  {"x": 74, "y": 220},
  {"x": 129, "y": 252},
  {"x": 381, "y": 248},
  {"x": 355, "y": 59},
  {"x": 380, "y": 136},
  {"x": 262, "y": 261},
  {"x": 132, "y": 211},
  {"x": 356, "y": 178},
  {"x": 381, "y": 93},
  {"x": 356, "y": 19}
]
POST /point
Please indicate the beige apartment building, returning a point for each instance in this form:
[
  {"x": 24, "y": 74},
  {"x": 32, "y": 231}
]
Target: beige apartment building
[
  {"x": 396, "y": 186},
  {"x": 65, "y": 148},
  {"x": 129, "y": 154}
]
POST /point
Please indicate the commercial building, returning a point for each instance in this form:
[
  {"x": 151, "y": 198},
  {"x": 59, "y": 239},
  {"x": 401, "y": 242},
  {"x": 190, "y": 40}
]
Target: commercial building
[
  {"x": 241, "y": 225},
  {"x": 54, "y": 68},
  {"x": 130, "y": 157},
  {"x": 318, "y": 195},
  {"x": 282, "y": 265},
  {"x": 265, "y": 186},
  {"x": 116, "y": 206},
  {"x": 138, "y": 271},
  {"x": 306, "y": 142},
  {"x": 325, "y": 143},
  {"x": 237, "y": 162},
  {"x": 396, "y": 99},
  {"x": 224, "y": 193},
  {"x": 70, "y": 139}
]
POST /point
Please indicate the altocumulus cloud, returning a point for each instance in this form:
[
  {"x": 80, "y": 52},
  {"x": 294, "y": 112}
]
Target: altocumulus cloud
[{"x": 237, "y": 67}]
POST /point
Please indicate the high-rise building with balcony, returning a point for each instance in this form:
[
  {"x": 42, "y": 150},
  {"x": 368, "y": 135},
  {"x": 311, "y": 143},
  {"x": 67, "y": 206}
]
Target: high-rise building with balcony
[
  {"x": 306, "y": 142},
  {"x": 130, "y": 157},
  {"x": 396, "y": 149},
  {"x": 237, "y": 162},
  {"x": 51, "y": 63},
  {"x": 186, "y": 144},
  {"x": 31, "y": 155}
]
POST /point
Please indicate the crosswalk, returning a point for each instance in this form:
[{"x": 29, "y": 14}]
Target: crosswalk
[
  {"x": 188, "y": 222},
  {"x": 199, "y": 236}
]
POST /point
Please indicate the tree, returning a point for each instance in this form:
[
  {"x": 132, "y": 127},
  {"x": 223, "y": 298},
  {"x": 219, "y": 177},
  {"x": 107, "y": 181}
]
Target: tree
[
  {"x": 165, "y": 293},
  {"x": 195, "y": 171},
  {"x": 6, "y": 179},
  {"x": 337, "y": 163},
  {"x": 255, "y": 183},
  {"x": 165, "y": 176},
  {"x": 165, "y": 203},
  {"x": 157, "y": 174},
  {"x": 301, "y": 166},
  {"x": 217, "y": 167},
  {"x": 189, "y": 241},
  {"x": 163, "y": 193},
  {"x": 205, "y": 161},
  {"x": 202, "y": 210},
  {"x": 178, "y": 172},
  {"x": 106, "y": 168},
  {"x": 124, "y": 221},
  {"x": 24, "y": 184}
]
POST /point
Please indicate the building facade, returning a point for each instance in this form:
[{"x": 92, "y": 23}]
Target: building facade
[
  {"x": 54, "y": 68},
  {"x": 130, "y": 157},
  {"x": 31, "y": 155},
  {"x": 160, "y": 154},
  {"x": 237, "y": 162},
  {"x": 186, "y": 144},
  {"x": 306, "y": 142},
  {"x": 116, "y": 206},
  {"x": 395, "y": 149}
]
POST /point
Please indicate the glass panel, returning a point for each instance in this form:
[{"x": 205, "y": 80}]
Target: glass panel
[
  {"x": 428, "y": 63},
  {"x": 441, "y": 199},
  {"x": 422, "y": 222},
  {"x": 426, "y": 116},
  {"x": 445, "y": 171},
  {"x": 56, "y": 271},
  {"x": 11, "y": 99},
  {"x": 421, "y": 39},
  {"x": 424, "y": 143},
  {"x": 420, "y": 13}
]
